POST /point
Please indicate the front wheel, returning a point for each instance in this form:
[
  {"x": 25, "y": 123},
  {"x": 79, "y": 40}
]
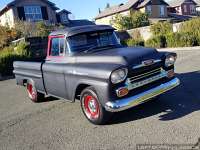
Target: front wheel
[{"x": 92, "y": 108}]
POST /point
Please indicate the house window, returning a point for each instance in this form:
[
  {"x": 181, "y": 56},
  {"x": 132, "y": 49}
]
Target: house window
[
  {"x": 64, "y": 17},
  {"x": 185, "y": 8},
  {"x": 192, "y": 9},
  {"x": 57, "y": 47},
  {"x": 33, "y": 13},
  {"x": 149, "y": 10},
  {"x": 162, "y": 11}
]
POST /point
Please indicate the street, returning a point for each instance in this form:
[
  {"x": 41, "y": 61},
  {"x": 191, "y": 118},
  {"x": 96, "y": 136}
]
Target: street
[{"x": 60, "y": 125}]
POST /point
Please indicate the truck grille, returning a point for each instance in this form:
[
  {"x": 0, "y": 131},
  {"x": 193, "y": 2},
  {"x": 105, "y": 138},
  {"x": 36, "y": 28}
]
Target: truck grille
[{"x": 146, "y": 78}]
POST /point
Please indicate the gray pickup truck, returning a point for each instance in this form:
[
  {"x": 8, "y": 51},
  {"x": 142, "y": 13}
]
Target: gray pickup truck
[{"x": 89, "y": 64}]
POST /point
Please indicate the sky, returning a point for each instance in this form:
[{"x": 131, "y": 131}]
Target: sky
[{"x": 81, "y": 9}]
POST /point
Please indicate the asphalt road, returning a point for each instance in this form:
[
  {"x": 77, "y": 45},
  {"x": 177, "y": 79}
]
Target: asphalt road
[{"x": 60, "y": 125}]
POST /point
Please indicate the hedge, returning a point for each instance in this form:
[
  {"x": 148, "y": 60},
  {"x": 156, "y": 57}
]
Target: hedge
[
  {"x": 156, "y": 42},
  {"x": 181, "y": 40},
  {"x": 133, "y": 42},
  {"x": 161, "y": 28},
  {"x": 10, "y": 54}
]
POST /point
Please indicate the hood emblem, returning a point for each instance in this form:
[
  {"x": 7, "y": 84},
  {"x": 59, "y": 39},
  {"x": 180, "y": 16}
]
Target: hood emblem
[{"x": 148, "y": 62}]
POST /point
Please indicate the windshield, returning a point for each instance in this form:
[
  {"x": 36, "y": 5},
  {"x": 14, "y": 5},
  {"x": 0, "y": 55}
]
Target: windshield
[{"x": 89, "y": 41}]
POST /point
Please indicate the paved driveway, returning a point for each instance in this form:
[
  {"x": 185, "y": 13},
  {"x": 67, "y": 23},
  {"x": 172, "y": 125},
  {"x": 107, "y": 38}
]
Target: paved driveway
[{"x": 59, "y": 125}]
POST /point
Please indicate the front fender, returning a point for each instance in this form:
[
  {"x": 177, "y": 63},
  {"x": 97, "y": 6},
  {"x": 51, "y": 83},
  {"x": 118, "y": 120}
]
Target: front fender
[{"x": 102, "y": 88}]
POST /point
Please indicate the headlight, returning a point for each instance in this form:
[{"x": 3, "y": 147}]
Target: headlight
[
  {"x": 118, "y": 76},
  {"x": 170, "y": 60}
]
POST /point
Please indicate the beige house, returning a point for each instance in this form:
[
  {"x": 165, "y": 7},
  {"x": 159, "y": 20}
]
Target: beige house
[
  {"x": 156, "y": 9},
  {"x": 32, "y": 11}
]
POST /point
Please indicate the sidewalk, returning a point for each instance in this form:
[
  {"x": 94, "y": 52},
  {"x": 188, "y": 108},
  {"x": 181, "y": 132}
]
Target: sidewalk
[{"x": 180, "y": 49}]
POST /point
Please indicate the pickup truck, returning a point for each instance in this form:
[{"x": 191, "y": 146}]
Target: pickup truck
[{"x": 89, "y": 64}]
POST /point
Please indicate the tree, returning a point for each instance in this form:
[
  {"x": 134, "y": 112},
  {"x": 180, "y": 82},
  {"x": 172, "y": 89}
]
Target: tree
[
  {"x": 42, "y": 29},
  {"x": 134, "y": 20},
  {"x": 25, "y": 29},
  {"x": 30, "y": 29}
]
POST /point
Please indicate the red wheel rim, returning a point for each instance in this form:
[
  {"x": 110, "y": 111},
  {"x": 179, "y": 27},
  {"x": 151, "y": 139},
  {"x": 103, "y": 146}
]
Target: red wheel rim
[
  {"x": 31, "y": 92},
  {"x": 91, "y": 107}
]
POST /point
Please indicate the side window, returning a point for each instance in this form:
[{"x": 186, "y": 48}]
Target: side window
[
  {"x": 57, "y": 47},
  {"x": 62, "y": 46}
]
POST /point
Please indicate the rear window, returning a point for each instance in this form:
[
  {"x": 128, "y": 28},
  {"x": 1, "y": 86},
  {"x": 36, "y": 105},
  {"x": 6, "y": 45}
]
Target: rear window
[{"x": 57, "y": 47}]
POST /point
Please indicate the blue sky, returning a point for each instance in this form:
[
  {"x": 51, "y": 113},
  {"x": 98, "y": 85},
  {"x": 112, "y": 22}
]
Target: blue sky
[{"x": 81, "y": 9}]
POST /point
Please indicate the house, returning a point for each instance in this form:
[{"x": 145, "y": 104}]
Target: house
[
  {"x": 32, "y": 11},
  {"x": 156, "y": 9},
  {"x": 182, "y": 7},
  {"x": 63, "y": 16},
  {"x": 198, "y": 7}
]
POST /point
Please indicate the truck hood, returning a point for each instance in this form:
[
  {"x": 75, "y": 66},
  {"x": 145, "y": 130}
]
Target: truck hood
[{"x": 123, "y": 56}]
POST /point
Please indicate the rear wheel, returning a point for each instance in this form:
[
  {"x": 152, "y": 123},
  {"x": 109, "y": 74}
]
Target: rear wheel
[
  {"x": 92, "y": 108},
  {"x": 33, "y": 94}
]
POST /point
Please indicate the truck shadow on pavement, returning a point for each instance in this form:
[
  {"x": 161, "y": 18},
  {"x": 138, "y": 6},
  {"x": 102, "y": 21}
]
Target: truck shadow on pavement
[{"x": 175, "y": 104}]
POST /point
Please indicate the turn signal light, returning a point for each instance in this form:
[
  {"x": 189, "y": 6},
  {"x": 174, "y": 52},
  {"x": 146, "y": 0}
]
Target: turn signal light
[
  {"x": 170, "y": 73},
  {"x": 122, "y": 92}
]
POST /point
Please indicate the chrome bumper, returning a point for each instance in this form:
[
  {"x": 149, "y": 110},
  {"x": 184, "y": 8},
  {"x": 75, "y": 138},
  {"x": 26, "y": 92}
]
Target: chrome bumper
[{"x": 126, "y": 103}]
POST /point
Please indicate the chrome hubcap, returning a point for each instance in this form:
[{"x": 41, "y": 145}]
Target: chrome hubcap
[{"x": 92, "y": 105}]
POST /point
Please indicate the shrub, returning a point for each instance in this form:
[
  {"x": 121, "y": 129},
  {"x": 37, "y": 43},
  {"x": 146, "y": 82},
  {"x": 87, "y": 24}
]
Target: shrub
[
  {"x": 161, "y": 28},
  {"x": 6, "y": 36},
  {"x": 133, "y": 42},
  {"x": 181, "y": 40},
  {"x": 192, "y": 27},
  {"x": 156, "y": 42},
  {"x": 136, "y": 39},
  {"x": 8, "y": 55}
]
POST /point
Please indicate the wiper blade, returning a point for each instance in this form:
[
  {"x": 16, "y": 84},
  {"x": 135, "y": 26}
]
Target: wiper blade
[
  {"x": 90, "y": 48},
  {"x": 95, "y": 47}
]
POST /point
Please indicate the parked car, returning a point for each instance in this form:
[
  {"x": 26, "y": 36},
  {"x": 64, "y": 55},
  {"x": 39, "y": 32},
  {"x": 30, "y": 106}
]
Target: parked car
[{"x": 88, "y": 63}]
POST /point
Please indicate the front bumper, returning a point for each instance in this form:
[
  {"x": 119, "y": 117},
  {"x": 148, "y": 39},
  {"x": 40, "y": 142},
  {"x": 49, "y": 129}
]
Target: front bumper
[{"x": 126, "y": 103}]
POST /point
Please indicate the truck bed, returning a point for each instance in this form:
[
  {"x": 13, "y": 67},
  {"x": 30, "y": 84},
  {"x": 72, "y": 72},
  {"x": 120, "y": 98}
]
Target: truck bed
[{"x": 29, "y": 71}]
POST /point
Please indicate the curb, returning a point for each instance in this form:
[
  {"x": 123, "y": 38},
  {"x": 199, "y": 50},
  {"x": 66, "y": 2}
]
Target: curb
[{"x": 180, "y": 49}]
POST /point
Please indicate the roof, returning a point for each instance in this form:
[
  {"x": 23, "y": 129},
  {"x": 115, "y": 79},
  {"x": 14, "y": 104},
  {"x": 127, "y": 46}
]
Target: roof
[
  {"x": 149, "y": 2},
  {"x": 116, "y": 9},
  {"x": 174, "y": 3},
  {"x": 64, "y": 11},
  {"x": 198, "y": 2},
  {"x": 124, "y": 7},
  {"x": 70, "y": 31},
  {"x": 9, "y": 5},
  {"x": 181, "y": 17}
]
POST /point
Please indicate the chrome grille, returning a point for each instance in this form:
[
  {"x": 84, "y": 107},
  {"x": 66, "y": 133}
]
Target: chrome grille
[{"x": 145, "y": 78}]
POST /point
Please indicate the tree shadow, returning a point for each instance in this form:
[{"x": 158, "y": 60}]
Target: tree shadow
[{"x": 172, "y": 105}]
